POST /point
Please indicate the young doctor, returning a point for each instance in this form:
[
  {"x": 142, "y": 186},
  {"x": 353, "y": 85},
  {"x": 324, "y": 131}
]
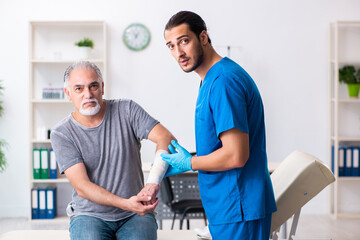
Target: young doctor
[{"x": 234, "y": 180}]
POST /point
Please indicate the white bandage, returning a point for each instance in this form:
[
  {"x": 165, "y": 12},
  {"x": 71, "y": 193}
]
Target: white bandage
[{"x": 158, "y": 168}]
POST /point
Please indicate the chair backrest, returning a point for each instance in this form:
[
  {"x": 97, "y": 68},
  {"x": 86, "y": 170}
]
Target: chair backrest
[
  {"x": 166, "y": 193},
  {"x": 297, "y": 179}
]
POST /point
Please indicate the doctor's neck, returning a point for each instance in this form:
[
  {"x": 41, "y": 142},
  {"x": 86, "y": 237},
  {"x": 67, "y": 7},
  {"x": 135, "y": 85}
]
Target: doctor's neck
[{"x": 210, "y": 58}]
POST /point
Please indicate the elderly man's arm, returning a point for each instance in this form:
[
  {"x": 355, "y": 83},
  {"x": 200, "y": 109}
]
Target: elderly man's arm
[
  {"x": 79, "y": 179},
  {"x": 162, "y": 137}
]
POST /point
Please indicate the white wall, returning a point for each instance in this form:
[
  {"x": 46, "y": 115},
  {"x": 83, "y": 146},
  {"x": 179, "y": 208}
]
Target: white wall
[{"x": 283, "y": 45}]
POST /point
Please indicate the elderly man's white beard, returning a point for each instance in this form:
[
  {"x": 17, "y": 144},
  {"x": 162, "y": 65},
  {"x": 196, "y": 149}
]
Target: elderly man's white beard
[{"x": 90, "y": 111}]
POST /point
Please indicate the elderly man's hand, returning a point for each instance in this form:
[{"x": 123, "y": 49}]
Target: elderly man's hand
[
  {"x": 150, "y": 190},
  {"x": 135, "y": 204}
]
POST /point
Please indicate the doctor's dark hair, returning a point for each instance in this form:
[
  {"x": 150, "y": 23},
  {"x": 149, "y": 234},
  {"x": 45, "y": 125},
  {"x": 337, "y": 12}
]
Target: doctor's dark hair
[
  {"x": 194, "y": 21},
  {"x": 81, "y": 64}
]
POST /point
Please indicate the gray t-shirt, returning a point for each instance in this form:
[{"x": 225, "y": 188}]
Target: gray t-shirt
[{"x": 110, "y": 152}]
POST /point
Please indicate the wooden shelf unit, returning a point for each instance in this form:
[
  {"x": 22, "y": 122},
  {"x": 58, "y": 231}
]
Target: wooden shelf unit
[{"x": 344, "y": 114}]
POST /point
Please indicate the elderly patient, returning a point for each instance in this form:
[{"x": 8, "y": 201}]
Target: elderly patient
[{"x": 98, "y": 148}]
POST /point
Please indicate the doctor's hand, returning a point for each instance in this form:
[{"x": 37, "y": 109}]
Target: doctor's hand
[
  {"x": 172, "y": 170},
  {"x": 180, "y": 160}
]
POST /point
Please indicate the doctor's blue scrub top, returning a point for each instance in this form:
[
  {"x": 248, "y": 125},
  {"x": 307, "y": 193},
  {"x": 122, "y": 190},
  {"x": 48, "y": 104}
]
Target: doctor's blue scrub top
[{"x": 229, "y": 98}]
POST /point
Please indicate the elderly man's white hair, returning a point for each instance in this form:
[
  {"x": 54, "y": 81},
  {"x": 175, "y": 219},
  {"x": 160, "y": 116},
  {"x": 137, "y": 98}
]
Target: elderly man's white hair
[{"x": 80, "y": 64}]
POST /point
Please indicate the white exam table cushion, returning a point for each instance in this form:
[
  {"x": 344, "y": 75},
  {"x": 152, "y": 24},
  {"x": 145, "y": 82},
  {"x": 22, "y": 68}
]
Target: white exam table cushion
[{"x": 297, "y": 179}]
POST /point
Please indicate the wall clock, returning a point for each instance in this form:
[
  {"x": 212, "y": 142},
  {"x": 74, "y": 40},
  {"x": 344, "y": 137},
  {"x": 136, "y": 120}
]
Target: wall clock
[{"x": 136, "y": 36}]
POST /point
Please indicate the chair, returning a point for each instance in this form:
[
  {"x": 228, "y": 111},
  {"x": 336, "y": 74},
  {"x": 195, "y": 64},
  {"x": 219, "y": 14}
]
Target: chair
[
  {"x": 182, "y": 207},
  {"x": 297, "y": 179}
]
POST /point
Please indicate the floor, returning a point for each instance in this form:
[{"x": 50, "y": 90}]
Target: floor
[{"x": 310, "y": 227}]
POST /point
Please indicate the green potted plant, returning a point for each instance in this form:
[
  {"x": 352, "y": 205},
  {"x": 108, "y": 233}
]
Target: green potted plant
[
  {"x": 347, "y": 76},
  {"x": 358, "y": 75},
  {"x": 3, "y": 144},
  {"x": 85, "y": 45},
  {"x": 86, "y": 42}
]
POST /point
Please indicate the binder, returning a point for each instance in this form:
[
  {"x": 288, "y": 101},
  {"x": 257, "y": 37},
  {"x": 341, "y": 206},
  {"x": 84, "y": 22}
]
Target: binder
[
  {"x": 53, "y": 167},
  {"x": 355, "y": 163},
  {"x": 44, "y": 159},
  {"x": 341, "y": 161},
  {"x": 34, "y": 204},
  {"x": 51, "y": 203},
  {"x": 348, "y": 162},
  {"x": 36, "y": 163},
  {"x": 42, "y": 204}
]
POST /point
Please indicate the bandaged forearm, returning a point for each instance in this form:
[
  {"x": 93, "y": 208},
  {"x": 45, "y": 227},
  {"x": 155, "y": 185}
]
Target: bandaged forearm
[{"x": 158, "y": 168}]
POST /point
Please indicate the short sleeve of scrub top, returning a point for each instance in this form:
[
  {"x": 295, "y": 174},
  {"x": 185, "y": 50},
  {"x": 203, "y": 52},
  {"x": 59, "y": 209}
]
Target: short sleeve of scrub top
[{"x": 228, "y": 103}]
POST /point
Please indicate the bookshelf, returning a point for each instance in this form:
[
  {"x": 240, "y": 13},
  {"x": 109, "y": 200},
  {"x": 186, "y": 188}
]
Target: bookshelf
[
  {"x": 51, "y": 50},
  {"x": 344, "y": 116}
]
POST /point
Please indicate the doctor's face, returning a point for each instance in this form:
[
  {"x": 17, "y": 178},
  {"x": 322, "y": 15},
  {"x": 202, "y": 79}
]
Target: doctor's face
[{"x": 185, "y": 47}]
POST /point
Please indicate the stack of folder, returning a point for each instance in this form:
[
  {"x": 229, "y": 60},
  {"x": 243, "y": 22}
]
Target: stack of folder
[
  {"x": 43, "y": 203},
  {"x": 348, "y": 161},
  {"x": 44, "y": 164}
]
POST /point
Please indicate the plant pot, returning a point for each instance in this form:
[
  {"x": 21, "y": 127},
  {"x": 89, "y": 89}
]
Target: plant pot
[
  {"x": 353, "y": 89},
  {"x": 84, "y": 53}
]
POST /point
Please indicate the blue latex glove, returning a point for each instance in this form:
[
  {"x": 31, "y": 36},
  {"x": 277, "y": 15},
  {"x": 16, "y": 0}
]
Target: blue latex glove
[
  {"x": 171, "y": 170},
  {"x": 180, "y": 159}
]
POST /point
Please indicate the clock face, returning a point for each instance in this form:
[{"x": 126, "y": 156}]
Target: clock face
[{"x": 136, "y": 37}]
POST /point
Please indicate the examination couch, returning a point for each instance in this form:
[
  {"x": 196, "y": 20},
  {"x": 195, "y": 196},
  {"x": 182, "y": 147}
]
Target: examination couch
[{"x": 297, "y": 179}]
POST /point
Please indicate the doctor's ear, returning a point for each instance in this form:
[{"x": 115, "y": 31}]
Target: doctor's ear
[{"x": 204, "y": 38}]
